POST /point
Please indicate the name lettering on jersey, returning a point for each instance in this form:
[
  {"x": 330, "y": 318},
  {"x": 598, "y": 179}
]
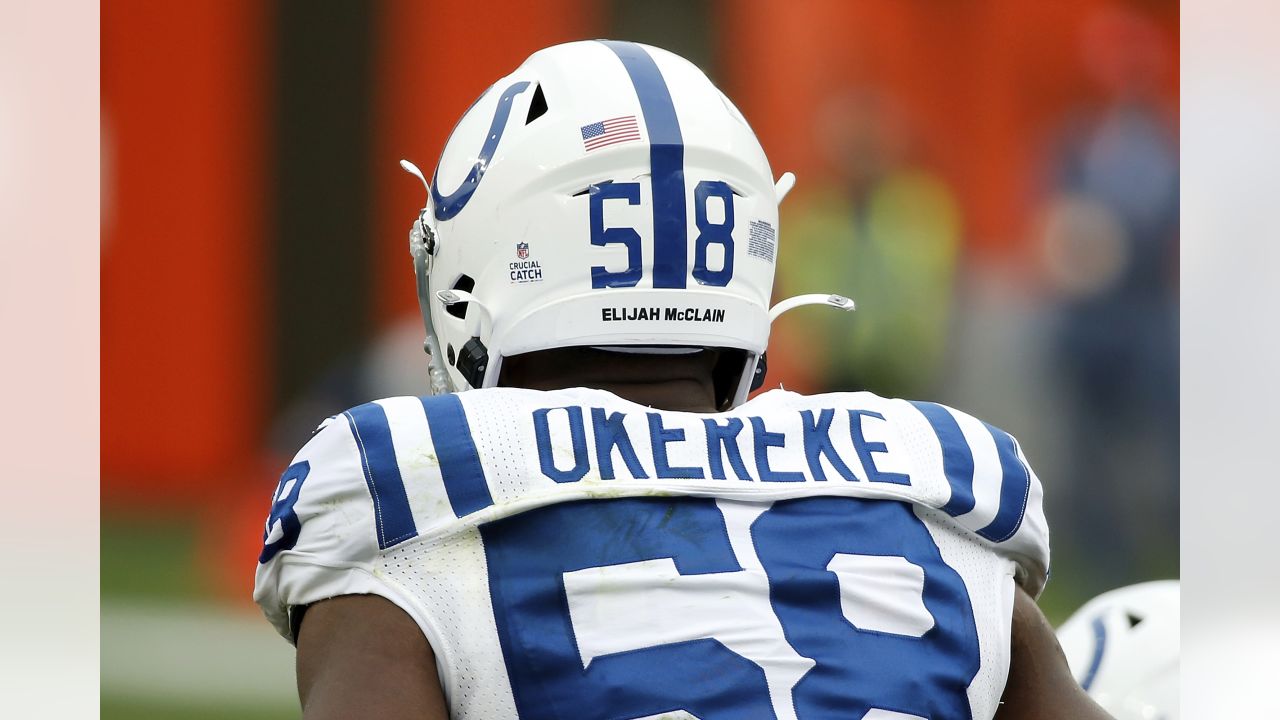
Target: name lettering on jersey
[
  {"x": 807, "y": 446},
  {"x": 667, "y": 314}
]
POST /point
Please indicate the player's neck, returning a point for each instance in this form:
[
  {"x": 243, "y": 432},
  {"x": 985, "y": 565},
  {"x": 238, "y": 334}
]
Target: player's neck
[
  {"x": 688, "y": 396},
  {"x": 665, "y": 382}
]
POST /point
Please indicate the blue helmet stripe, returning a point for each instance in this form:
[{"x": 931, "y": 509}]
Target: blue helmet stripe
[{"x": 666, "y": 164}]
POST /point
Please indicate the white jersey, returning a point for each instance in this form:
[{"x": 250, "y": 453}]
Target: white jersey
[{"x": 573, "y": 554}]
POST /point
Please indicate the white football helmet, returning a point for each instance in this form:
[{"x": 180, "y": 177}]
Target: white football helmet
[
  {"x": 1123, "y": 648},
  {"x": 603, "y": 194}
]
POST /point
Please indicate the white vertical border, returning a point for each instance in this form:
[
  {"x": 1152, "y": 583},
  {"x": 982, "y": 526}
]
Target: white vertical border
[
  {"x": 49, "y": 270},
  {"x": 1230, "y": 358}
]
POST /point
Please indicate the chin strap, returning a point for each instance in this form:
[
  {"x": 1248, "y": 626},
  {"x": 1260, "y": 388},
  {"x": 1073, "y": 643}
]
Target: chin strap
[
  {"x": 780, "y": 190},
  {"x": 838, "y": 302}
]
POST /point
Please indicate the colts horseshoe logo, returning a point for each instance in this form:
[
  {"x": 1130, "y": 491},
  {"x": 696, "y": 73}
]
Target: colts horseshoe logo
[{"x": 450, "y": 205}]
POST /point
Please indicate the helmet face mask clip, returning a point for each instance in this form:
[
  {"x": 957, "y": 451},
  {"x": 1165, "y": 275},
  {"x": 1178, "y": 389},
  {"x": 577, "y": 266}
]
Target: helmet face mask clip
[{"x": 671, "y": 244}]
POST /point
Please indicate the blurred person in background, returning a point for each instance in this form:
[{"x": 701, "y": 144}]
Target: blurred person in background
[
  {"x": 1109, "y": 237},
  {"x": 887, "y": 228}
]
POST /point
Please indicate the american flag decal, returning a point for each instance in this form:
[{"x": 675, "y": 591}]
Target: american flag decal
[{"x": 610, "y": 132}]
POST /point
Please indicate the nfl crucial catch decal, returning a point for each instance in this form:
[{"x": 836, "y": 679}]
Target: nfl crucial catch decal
[{"x": 524, "y": 270}]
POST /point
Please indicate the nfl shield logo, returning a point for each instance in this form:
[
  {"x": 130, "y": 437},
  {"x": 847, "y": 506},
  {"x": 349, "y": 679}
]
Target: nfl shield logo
[{"x": 522, "y": 250}]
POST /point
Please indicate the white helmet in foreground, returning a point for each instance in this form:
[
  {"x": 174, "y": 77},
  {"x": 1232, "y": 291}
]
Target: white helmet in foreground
[
  {"x": 603, "y": 194},
  {"x": 1123, "y": 647}
]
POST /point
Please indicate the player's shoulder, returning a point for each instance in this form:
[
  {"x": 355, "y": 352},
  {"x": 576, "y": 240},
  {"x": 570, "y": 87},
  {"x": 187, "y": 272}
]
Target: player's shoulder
[
  {"x": 388, "y": 434},
  {"x": 967, "y": 442},
  {"x": 957, "y": 433},
  {"x": 320, "y": 491},
  {"x": 411, "y": 465},
  {"x": 343, "y": 495},
  {"x": 407, "y": 433},
  {"x": 950, "y": 423},
  {"x": 337, "y": 507},
  {"x": 458, "y": 426},
  {"x": 988, "y": 485}
]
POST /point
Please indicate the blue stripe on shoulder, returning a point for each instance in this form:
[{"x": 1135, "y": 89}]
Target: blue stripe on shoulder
[
  {"x": 464, "y": 480},
  {"x": 666, "y": 164},
  {"x": 1015, "y": 487},
  {"x": 394, "y": 519},
  {"x": 957, "y": 457}
]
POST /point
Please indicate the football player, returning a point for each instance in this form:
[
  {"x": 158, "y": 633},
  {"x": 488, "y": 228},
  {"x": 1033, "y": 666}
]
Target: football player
[
  {"x": 1123, "y": 647},
  {"x": 586, "y": 518}
]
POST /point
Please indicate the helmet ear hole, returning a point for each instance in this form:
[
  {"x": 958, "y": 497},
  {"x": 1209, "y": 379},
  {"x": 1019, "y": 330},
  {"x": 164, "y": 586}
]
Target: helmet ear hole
[
  {"x": 459, "y": 310},
  {"x": 537, "y": 106}
]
